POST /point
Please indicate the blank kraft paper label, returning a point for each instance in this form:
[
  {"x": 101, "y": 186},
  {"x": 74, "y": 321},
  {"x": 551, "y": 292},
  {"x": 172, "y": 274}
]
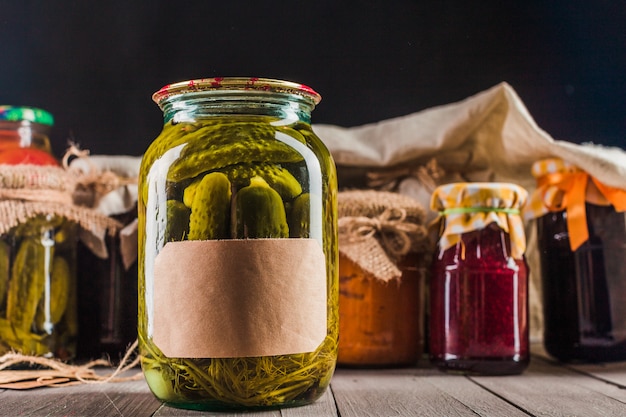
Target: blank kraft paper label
[{"x": 239, "y": 298}]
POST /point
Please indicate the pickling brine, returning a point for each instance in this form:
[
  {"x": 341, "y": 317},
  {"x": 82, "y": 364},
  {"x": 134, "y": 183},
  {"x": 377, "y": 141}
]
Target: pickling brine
[{"x": 238, "y": 278}]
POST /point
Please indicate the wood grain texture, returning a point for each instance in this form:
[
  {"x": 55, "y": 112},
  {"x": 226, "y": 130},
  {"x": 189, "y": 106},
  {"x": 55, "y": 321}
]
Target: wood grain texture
[
  {"x": 547, "y": 388},
  {"x": 116, "y": 399},
  {"x": 402, "y": 393}
]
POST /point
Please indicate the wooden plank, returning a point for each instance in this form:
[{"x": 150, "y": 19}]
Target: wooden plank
[
  {"x": 612, "y": 372},
  {"x": 112, "y": 399},
  {"x": 479, "y": 400},
  {"x": 325, "y": 406},
  {"x": 411, "y": 392},
  {"x": 546, "y": 389}
]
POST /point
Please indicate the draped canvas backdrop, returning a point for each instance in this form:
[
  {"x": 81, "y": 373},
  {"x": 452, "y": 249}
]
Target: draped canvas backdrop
[{"x": 496, "y": 136}]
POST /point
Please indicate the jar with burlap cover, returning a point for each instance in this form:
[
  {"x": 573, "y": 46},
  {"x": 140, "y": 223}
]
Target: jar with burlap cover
[
  {"x": 378, "y": 228},
  {"x": 384, "y": 251},
  {"x": 38, "y": 222}
]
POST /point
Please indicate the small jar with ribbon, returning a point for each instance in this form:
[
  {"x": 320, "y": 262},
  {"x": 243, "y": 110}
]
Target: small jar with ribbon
[
  {"x": 479, "y": 280},
  {"x": 383, "y": 259},
  {"x": 581, "y": 241}
]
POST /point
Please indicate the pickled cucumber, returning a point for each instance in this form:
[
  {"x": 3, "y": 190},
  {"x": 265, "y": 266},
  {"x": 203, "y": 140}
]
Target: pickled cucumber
[
  {"x": 259, "y": 212},
  {"x": 27, "y": 284},
  {"x": 190, "y": 192},
  {"x": 299, "y": 217},
  {"x": 279, "y": 178},
  {"x": 177, "y": 227},
  {"x": 210, "y": 209},
  {"x": 244, "y": 142}
]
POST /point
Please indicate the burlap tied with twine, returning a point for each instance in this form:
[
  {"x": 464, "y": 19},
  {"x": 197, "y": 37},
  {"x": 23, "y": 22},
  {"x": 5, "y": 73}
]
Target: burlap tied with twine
[
  {"x": 378, "y": 228},
  {"x": 27, "y": 191}
]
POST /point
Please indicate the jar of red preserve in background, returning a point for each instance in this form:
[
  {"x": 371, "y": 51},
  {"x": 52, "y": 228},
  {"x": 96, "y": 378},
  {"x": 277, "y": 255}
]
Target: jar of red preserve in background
[
  {"x": 24, "y": 136},
  {"x": 581, "y": 238},
  {"x": 479, "y": 283}
]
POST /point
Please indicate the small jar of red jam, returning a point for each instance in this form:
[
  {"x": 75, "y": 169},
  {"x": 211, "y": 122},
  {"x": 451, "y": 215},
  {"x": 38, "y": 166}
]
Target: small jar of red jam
[
  {"x": 581, "y": 239},
  {"x": 479, "y": 281}
]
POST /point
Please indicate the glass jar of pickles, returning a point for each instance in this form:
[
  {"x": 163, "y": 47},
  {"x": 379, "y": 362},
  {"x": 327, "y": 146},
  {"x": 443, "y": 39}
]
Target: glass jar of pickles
[
  {"x": 581, "y": 239},
  {"x": 238, "y": 255},
  {"x": 479, "y": 282},
  {"x": 37, "y": 242}
]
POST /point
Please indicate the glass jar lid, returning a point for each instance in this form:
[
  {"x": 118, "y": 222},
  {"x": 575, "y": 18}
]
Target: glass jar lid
[
  {"x": 245, "y": 84},
  {"x": 21, "y": 113}
]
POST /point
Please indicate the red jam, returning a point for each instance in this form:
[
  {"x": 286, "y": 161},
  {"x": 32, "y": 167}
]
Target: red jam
[{"x": 479, "y": 306}]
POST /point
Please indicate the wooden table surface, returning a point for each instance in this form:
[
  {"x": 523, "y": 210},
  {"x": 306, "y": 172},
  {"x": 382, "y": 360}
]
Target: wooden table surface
[{"x": 546, "y": 388}]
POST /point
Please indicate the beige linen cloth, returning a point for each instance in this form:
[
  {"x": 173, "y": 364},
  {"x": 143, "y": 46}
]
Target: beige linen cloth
[
  {"x": 491, "y": 133},
  {"x": 109, "y": 187}
]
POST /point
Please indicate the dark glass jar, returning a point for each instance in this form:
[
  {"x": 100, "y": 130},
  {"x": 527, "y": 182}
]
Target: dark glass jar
[
  {"x": 237, "y": 238},
  {"x": 479, "y": 285},
  {"x": 583, "y": 287},
  {"x": 107, "y": 301},
  {"x": 38, "y": 313}
]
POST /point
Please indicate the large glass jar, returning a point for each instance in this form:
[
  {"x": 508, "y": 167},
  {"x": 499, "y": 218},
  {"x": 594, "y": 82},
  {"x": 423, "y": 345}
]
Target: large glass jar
[
  {"x": 238, "y": 282},
  {"x": 107, "y": 298},
  {"x": 37, "y": 242},
  {"x": 581, "y": 239},
  {"x": 479, "y": 283}
]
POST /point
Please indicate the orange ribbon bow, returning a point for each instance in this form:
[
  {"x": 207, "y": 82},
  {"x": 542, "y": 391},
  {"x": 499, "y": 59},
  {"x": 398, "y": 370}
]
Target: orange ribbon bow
[{"x": 576, "y": 190}]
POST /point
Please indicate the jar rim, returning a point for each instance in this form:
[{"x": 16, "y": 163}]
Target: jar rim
[
  {"x": 10, "y": 113},
  {"x": 236, "y": 84}
]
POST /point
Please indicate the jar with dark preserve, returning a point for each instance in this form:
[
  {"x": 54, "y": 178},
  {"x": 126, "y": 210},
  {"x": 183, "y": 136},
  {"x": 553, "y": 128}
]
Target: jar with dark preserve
[
  {"x": 383, "y": 256},
  {"x": 37, "y": 240},
  {"x": 479, "y": 283},
  {"x": 107, "y": 302},
  {"x": 238, "y": 270},
  {"x": 581, "y": 239}
]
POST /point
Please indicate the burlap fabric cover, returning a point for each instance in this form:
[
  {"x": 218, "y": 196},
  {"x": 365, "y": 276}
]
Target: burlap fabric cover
[
  {"x": 27, "y": 191},
  {"x": 378, "y": 228}
]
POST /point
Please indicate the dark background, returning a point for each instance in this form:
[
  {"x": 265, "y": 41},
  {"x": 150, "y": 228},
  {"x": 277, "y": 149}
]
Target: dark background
[{"x": 95, "y": 65}]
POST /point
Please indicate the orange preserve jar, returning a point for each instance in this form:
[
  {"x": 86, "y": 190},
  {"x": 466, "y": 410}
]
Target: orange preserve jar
[{"x": 382, "y": 248}]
